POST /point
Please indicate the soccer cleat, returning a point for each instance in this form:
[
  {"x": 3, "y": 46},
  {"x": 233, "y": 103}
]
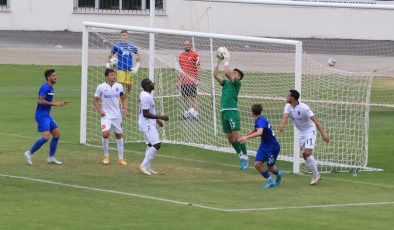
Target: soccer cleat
[
  {"x": 122, "y": 162},
  {"x": 270, "y": 183},
  {"x": 315, "y": 180},
  {"x": 106, "y": 160},
  {"x": 144, "y": 170},
  {"x": 278, "y": 178},
  {"x": 152, "y": 171},
  {"x": 28, "y": 157},
  {"x": 241, "y": 164},
  {"x": 246, "y": 163},
  {"x": 53, "y": 160}
]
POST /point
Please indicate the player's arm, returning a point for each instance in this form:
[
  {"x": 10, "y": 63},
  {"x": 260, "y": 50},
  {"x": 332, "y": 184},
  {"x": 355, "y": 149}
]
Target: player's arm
[
  {"x": 254, "y": 133},
  {"x": 98, "y": 107},
  {"x": 217, "y": 76},
  {"x": 149, "y": 115},
  {"x": 42, "y": 101},
  {"x": 325, "y": 137},
  {"x": 227, "y": 71},
  {"x": 124, "y": 105},
  {"x": 283, "y": 122}
]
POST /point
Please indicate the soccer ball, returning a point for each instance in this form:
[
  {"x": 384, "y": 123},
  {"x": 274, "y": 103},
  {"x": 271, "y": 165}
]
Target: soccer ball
[
  {"x": 221, "y": 52},
  {"x": 113, "y": 61},
  {"x": 331, "y": 61}
]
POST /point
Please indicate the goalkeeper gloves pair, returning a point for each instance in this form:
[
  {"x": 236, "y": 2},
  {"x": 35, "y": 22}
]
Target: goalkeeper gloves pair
[
  {"x": 226, "y": 58},
  {"x": 133, "y": 71}
]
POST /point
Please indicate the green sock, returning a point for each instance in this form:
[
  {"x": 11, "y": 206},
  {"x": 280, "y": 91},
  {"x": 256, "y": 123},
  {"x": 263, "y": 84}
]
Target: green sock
[
  {"x": 243, "y": 149},
  {"x": 237, "y": 147}
]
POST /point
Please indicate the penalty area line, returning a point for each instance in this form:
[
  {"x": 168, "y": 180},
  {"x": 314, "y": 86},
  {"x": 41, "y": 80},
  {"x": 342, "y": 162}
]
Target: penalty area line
[{"x": 193, "y": 204}]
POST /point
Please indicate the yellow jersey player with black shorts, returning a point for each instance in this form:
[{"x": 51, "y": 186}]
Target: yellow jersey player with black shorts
[{"x": 231, "y": 120}]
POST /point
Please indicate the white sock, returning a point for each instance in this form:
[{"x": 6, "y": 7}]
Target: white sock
[
  {"x": 105, "y": 146},
  {"x": 119, "y": 143},
  {"x": 150, "y": 153},
  {"x": 312, "y": 164}
]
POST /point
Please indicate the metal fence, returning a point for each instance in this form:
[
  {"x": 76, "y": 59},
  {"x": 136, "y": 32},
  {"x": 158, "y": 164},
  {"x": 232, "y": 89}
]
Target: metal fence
[{"x": 117, "y": 6}]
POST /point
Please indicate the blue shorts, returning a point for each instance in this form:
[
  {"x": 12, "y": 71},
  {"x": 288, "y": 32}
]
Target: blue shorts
[
  {"x": 45, "y": 124},
  {"x": 267, "y": 155}
]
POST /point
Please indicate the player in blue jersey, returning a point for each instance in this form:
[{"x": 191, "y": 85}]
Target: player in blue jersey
[
  {"x": 268, "y": 150},
  {"x": 46, "y": 124},
  {"x": 125, "y": 51}
]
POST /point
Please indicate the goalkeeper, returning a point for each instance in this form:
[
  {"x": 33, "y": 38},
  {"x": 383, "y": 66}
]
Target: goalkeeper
[
  {"x": 125, "y": 50},
  {"x": 231, "y": 120}
]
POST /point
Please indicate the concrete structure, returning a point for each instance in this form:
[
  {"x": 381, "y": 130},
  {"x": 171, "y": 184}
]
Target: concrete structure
[{"x": 235, "y": 18}]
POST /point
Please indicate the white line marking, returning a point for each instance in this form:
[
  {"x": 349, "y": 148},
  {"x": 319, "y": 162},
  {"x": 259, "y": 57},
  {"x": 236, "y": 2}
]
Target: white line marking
[
  {"x": 201, "y": 161},
  {"x": 193, "y": 204}
]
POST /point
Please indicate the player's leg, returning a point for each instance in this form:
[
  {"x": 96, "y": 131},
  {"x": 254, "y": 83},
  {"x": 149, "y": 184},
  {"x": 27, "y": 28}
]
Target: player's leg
[
  {"x": 151, "y": 137},
  {"x": 234, "y": 121},
  {"x": 185, "y": 98},
  {"x": 116, "y": 126},
  {"x": 121, "y": 78},
  {"x": 194, "y": 101},
  {"x": 227, "y": 130},
  {"x": 43, "y": 126},
  {"x": 271, "y": 164},
  {"x": 105, "y": 130},
  {"x": 53, "y": 145},
  {"x": 307, "y": 147},
  {"x": 129, "y": 82},
  {"x": 259, "y": 165}
]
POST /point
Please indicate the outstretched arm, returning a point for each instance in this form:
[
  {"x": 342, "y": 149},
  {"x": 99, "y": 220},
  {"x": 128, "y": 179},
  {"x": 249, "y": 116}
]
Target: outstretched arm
[
  {"x": 254, "y": 133},
  {"x": 42, "y": 101},
  {"x": 216, "y": 72},
  {"x": 325, "y": 137},
  {"x": 149, "y": 115},
  {"x": 283, "y": 122}
]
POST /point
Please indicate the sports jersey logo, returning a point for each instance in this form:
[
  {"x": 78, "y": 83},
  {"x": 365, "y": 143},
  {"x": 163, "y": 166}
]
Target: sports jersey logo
[
  {"x": 117, "y": 89},
  {"x": 299, "y": 113}
]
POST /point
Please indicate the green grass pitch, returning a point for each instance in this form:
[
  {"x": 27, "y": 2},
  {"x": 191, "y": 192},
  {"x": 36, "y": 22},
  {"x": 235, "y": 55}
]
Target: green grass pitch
[{"x": 198, "y": 189}]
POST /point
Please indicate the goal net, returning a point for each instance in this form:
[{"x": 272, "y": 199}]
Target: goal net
[{"x": 272, "y": 67}]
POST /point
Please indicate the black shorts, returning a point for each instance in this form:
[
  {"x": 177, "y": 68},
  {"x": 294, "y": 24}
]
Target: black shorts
[{"x": 189, "y": 90}]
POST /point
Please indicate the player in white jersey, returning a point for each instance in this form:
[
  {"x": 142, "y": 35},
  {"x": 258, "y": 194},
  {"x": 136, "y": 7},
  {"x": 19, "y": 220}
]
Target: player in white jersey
[
  {"x": 147, "y": 120},
  {"x": 306, "y": 123},
  {"x": 111, "y": 118}
]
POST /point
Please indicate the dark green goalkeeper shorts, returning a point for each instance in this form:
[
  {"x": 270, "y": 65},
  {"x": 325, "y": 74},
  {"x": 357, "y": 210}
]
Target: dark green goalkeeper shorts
[{"x": 231, "y": 121}]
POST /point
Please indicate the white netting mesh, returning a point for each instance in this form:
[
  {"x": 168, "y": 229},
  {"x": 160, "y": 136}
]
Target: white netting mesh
[{"x": 339, "y": 98}]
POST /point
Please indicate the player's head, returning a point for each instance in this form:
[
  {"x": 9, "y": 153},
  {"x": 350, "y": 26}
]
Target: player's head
[
  {"x": 257, "y": 109},
  {"x": 50, "y": 76},
  {"x": 238, "y": 73},
  {"x": 186, "y": 46},
  {"x": 147, "y": 85},
  {"x": 110, "y": 75},
  {"x": 124, "y": 36},
  {"x": 293, "y": 95}
]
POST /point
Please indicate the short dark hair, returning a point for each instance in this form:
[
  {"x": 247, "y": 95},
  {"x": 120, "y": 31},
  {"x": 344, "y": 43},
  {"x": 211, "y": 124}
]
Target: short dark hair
[
  {"x": 145, "y": 82},
  {"x": 48, "y": 73},
  {"x": 257, "y": 109},
  {"x": 108, "y": 71},
  {"x": 294, "y": 93},
  {"x": 124, "y": 31},
  {"x": 241, "y": 74}
]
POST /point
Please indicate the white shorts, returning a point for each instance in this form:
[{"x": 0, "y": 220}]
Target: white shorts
[
  {"x": 307, "y": 140},
  {"x": 151, "y": 135},
  {"x": 113, "y": 124}
]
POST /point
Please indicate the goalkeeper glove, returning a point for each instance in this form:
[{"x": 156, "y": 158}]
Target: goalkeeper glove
[
  {"x": 108, "y": 65},
  {"x": 135, "y": 69},
  {"x": 218, "y": 61},
  {"x": 226, "y": 58}
]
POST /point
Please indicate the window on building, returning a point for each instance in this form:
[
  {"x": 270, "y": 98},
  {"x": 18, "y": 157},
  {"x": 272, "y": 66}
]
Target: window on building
[
  {"x": 117, "y": 6},
  {"x": 3, "y": 2}
]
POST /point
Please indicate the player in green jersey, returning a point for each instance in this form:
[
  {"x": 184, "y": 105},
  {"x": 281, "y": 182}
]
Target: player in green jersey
[{"x": 231, "y": 120}]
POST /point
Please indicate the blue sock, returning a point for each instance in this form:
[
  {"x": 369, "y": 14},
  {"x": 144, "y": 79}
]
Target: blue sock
[
  {"x": 276, "y": 172},
  {"x": 53, "y": 146},
  {"x": 38, "y": 144},
  {"x": 265, "y": 174}
]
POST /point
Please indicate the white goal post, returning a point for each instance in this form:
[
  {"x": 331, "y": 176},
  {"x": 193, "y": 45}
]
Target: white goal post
[{"x": 271, "y": 66}]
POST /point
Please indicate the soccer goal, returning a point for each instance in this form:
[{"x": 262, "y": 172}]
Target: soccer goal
[{"x": 271, "y": 66}]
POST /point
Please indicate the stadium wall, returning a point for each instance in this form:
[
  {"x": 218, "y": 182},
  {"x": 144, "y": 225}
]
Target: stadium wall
[{"x": 232, "y": 18}]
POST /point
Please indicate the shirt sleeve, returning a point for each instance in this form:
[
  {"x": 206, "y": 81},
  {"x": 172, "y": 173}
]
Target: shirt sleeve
[
  {"x": 114, "y": 49},
  {"x": 98, "y": 92},
  {"x": 135, "y": 49},
  {"x": 43, "y": 91},
  {"x": 145, "y": 102},
  {"x": 121, "y": 90},
  {"x": 308, "y": 111},
  {"x": 261, "y": 124},
  {"x": 287, "y": 108}
]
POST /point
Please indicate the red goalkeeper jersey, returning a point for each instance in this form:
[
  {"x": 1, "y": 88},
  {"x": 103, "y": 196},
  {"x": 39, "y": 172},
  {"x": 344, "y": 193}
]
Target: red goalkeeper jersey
[{"x": 189, "y": 62}]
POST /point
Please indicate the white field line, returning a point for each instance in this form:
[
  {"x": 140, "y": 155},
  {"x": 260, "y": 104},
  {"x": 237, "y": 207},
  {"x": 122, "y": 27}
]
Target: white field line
[
  {"x": 193, "y": 204},
  {"x": 208, "y": 162}
]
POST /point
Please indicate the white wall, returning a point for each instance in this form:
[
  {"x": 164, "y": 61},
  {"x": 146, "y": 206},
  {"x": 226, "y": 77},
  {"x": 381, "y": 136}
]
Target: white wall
[{"x": 258, "y": 20}]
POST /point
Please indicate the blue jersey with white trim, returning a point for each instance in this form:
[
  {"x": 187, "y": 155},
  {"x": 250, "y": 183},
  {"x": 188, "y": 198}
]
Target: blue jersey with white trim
[
  {"x": 125, "y": 55},
  {"x": 48, "y": 93},
  {"x": 268, "y": 139}
]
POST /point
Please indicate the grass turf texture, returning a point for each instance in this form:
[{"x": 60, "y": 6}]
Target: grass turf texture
[{"x": 191, "y": 175}]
